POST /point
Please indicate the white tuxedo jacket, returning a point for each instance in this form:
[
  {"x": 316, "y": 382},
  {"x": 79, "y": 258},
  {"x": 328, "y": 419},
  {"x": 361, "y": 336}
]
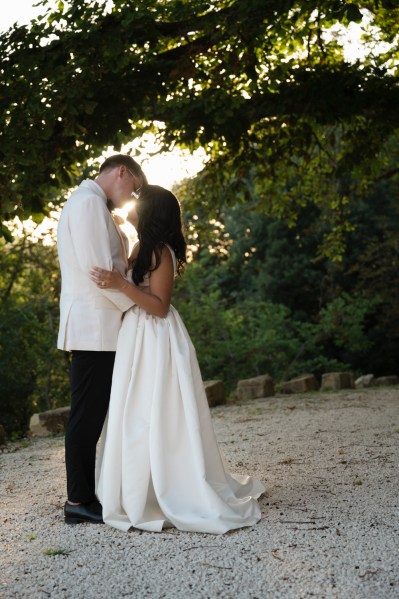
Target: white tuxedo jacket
[{"x": 87, "y": 236}]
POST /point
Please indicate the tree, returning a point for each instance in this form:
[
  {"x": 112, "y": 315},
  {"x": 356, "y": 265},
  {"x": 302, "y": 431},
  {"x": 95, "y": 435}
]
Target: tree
[
  {"x": 34, "y": 375},
  {"x": 247, "y": 79},
  {"x": 339, "y": 313}
]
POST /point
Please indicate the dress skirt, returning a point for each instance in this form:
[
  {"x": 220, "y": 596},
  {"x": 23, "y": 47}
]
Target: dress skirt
[{"x": 158, "y": 461}]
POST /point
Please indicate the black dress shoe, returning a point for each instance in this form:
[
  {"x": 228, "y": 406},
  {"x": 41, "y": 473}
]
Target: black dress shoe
[{"x": 84, "y": 512}]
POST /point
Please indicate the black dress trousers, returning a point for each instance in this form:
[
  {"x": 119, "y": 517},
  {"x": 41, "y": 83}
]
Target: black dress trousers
[{"x": 91, "y": 378}]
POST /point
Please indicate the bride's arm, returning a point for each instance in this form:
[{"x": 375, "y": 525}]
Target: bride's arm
[{"x": 156, "y": 301}]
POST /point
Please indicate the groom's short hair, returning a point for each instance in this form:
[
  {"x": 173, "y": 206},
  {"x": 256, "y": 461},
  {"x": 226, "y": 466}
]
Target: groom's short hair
[{"x": 125, "y": 160}]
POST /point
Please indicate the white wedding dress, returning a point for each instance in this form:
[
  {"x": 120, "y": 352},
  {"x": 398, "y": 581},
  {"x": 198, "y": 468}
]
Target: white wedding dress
[{"x": 158, "y": 462}]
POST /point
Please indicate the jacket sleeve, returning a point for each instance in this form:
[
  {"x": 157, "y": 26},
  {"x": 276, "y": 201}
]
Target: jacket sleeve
[{"x": 90, "y": 237}]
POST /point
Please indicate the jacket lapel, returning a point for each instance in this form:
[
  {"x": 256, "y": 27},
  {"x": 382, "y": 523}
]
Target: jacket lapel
[{"x": 124, "y": 241}]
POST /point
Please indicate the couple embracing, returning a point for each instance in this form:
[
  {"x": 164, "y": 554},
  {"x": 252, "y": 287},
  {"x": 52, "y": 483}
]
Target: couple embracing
[{"x": 135, "y": 379}]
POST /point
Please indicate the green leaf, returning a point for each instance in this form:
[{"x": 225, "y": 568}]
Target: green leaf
[
  {"x": 353, "y": 13},
  {"x": 6, "y": 233}
]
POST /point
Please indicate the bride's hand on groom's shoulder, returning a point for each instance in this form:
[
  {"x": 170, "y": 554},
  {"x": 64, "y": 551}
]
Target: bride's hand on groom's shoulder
[{"x": 107, "y": 279}]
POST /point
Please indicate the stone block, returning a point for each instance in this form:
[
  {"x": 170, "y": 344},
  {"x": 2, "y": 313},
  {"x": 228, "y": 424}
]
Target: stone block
[
  {"x": 49, "y": 423},
  {"x": 260, "y": 386},
  {"x": 366, "y": 380},
  {"x": 215, "y": 393},
  {"x": 300, "y": 384},
  {"x": 337, "y": 380},
  {"x": 382, "y": 381}
]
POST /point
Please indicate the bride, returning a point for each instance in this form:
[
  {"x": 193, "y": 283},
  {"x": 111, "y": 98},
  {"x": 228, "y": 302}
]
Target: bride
[{"x": 159, "y": 464}]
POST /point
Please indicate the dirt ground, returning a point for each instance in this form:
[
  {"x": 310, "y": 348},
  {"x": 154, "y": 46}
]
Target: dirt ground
[{"x": 329, "y": 525}]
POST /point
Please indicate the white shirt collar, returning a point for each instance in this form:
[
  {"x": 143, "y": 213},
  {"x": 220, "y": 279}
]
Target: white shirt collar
[{"x": 95, "y": 188}]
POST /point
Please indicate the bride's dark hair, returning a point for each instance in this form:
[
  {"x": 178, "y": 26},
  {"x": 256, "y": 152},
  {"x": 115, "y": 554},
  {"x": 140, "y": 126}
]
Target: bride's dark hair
[{"x": 159, "y": 222}]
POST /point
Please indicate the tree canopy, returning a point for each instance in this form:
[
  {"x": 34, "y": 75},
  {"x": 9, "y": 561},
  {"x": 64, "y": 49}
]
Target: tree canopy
[{"x": 260, "y": 81}]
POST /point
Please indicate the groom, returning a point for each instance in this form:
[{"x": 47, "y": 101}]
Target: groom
[{"x": 90, "y": 318}]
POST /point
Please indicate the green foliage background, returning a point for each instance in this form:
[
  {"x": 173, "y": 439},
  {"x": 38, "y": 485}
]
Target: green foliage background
[
  {"x": 34, "y": 375},
  {"x": 256, "y": 298},
  {"x": 293, "y": 221}
]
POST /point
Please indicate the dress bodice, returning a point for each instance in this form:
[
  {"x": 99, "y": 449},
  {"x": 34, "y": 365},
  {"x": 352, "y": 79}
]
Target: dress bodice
[{"x": 146, "y": 280}]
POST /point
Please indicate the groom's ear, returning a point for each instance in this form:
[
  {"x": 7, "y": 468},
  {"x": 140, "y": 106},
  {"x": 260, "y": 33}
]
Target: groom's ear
[{"x": 122, "y": 170}]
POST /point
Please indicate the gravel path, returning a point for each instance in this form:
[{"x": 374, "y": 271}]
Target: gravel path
[{"x": 329, "y": 518}]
